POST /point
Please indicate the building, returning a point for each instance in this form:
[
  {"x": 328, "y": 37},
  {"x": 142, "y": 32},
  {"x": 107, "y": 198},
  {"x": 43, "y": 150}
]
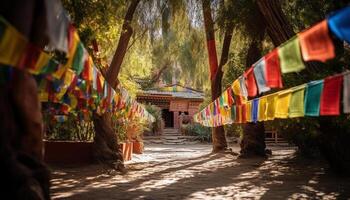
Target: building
[{"x": 173, "y": 100}]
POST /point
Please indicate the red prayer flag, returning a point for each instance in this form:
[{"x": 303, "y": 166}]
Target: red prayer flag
[
  {"x": 273, "y": 70},
  {"x": 250, "y": 81},
  {"x": 213, "y": 61},
  {"x": 316, "y": 44},
  {"x": 238, "y": 114},
  {"x": 330, "y": 98},
  {"x": 230, "y": 96},
  {"x": 30, "y": 57},
  {"x": 244, "y": 115}
]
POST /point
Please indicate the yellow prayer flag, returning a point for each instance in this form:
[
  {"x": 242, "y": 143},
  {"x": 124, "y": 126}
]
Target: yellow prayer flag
[
  {"x": 12, "y": 46},
  {"x": 262, "y": 114},
  {"x": 42, "y": 61},
  {"x": 67, "y": 80},
  {"x": 282, "y": 104},
  {"x": 236, "y": 88},
  {"x": 296, "y": 107},
  {"x": 249, "y": 111},
  {"x": 271, "y": 105}
]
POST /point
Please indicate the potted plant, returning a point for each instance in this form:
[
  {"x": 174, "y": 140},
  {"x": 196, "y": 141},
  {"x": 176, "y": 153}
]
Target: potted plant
[
  {"x": 123, "y": 142},
  {"x": 135, "y": 130}
]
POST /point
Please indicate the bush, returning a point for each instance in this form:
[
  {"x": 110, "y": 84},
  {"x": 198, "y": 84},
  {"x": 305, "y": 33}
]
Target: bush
[
  {"x": 202, "y": 133},
  {"x": 233, "y": 130},
  {"x": 158, "y": 125},
  {"x": 72, "y": 129}
]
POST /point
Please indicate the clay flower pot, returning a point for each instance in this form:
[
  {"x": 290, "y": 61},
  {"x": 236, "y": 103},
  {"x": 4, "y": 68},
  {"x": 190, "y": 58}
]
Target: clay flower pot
[
  {"x": 126, "y": 148},
  {"x": 137, "y": 147}
]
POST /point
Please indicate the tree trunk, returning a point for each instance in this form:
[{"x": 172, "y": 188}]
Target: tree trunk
[
  {"x": 253, "y": 141},
  {"x": 126, "y": 33},
  {"x": 218, "y": 133},
  {"x": 105, "y": 145},
  {"x": 278, "y": 28},
  {"x": 24, "y": 175}
]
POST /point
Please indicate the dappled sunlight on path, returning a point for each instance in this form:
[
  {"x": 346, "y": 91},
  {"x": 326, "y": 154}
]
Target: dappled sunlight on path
[{"x": 192, "y": 172}]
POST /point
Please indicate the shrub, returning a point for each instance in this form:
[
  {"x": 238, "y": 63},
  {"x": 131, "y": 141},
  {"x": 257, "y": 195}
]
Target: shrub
[
  {"x": 202, "y": 133},
  {"x": 158, "y": 125},
  {"x": 72, "y": 129}
]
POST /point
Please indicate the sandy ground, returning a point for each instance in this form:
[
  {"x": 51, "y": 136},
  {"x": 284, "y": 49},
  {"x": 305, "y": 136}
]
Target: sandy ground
[{"x": 192, "y": 172}]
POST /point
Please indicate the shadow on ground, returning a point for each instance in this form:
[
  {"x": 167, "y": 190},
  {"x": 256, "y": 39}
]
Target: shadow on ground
[{"x": 191, "y": 172}]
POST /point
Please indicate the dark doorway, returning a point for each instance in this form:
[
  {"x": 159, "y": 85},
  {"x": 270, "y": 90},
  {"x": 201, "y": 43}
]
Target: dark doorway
[{"x": 168, "y": 118}]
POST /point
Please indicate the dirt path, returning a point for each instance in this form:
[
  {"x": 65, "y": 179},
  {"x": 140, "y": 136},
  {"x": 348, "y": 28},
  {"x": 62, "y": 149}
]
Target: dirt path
[{"x": 191, "y": 172}]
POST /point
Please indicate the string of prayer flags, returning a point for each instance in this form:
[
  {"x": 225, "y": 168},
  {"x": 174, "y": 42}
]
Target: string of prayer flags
[
  {"x": 290, "y": 56},
  {"x": 259, "y": 73},
  {"x": 339, "y": 24},
  {"x": 316, "y": 44},
  {"x": 273, "y": 70},
  {"x": 312, "y": 98},
  {"x": 68, "y": 84},
  {"x": 346, "y": 93},
  {"x": 250, "y": 81},
  {"x": 282, "y": 104},
  {"x": 296, "y": 106},
  {"x": 330, "y": 98},
  {"x": 315, "y": 98}
]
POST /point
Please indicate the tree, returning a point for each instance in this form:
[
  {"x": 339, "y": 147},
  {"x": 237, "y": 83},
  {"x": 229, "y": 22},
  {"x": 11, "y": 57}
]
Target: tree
[
  {"x": 105, "y": 142},
  {"x": 218, "y": 133}
]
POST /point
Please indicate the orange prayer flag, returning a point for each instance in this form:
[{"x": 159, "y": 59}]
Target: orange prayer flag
[{"x": 316, "y": 43}]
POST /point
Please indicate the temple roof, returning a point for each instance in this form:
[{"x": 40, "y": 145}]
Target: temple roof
[{"x": 174, "y": 90}]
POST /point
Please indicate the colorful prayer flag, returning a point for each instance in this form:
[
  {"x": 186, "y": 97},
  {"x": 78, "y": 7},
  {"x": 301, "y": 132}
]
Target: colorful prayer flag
[
  {"x": 339, "y": 23},
  {"x": 296, "y": 106},
  {"x": 271, "y": 106},
  {"x": 251, "y": 84},
  {"x": 259, "y": 73},
  {"x": 249, "y": 111},
  {"x": 290, "y": 56},
  {"x": 262, "y": 114},
  {"x": 312, "y": 98},
  {"x": 282, "y": 104},
  {"x": 273, "y": 70},
  {"x": 12, "y": 45},
  {"x": 330, "y": 98},
  {"x": 316, "y": 44},
  {"x": 255, "y": 109}
]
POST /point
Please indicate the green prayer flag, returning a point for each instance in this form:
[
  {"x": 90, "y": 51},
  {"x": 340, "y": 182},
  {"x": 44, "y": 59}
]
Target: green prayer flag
[
  {"x": 233, "y": 113},
  {"x": 296, "y": 105},
  {"x": 290, "y": 56},
  {"x": 51, "y": 67},
  {"x": 78, "y": 62},
  {"x": 221, "y": 101},
  {"x": 313, "y": 98}
]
